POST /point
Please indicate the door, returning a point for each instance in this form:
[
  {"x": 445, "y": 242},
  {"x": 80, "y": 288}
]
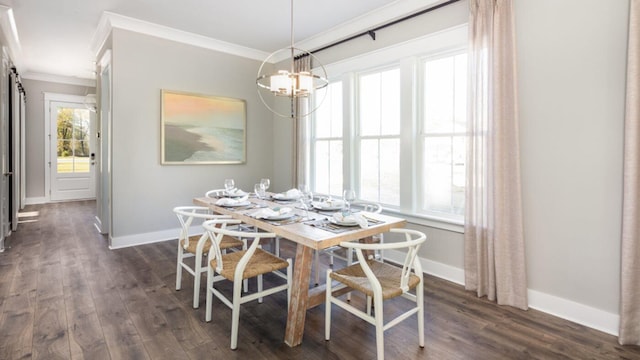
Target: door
[
  {"x": 72, "y": 158},
  {"x": 103, "y": 197},
  {"x": 5, "y": 155}
]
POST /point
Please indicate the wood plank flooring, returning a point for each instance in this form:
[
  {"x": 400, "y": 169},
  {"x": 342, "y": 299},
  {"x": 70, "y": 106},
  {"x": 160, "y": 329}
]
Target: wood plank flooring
[{"x": 65, "y": 295}]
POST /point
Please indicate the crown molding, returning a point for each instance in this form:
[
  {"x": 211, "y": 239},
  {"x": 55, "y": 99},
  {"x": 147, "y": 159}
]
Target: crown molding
[
  {"x": 109, "y": 21},
  {"x": 69, "y": 80}
]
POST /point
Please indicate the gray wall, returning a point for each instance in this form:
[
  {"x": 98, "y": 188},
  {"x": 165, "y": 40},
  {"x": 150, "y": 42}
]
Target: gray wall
[
  {"x": 572, "y": 57},
  {"x": 144, "y": 192},
  {"x": 34, "y": 127}
]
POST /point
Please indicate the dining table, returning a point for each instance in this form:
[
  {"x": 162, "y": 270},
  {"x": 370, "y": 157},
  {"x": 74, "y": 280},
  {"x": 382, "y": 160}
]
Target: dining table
[{"x": 311, "y": 231}]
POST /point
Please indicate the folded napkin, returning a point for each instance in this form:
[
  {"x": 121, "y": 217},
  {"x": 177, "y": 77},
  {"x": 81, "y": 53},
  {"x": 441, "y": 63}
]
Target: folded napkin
[
  {"x": 267, "y": 213},
  {"x": 232, "y": 201},
  {"x": 290, "y": 194},
  {"x": 358, "y": 218},
  {"x": 235, "y": 192},
  {"x": 329, "y": 204}
]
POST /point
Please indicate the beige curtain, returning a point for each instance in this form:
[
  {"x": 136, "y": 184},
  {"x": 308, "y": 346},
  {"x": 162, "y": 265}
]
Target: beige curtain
[
  {"x": 630, "y": 266},
  {"x": 494, "y": 241}
]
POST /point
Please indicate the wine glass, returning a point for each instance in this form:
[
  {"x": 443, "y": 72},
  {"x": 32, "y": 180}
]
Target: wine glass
[
  {"x": 266, "y": 183},
  {"x": 348, "y": 196},
  {"x": 229, "y": 185},
  {"x": 304, "y": 188},
  {"x": 259, "y": 190}
]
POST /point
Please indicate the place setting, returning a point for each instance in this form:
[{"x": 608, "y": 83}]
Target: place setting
[
  {"x": 288, "y": 196},
  {"x": 328, "y": 205},
  {"x": 277, "y": 215},
  {"x": 234, "y": 197},
  {"x": 342, "y": 218}
]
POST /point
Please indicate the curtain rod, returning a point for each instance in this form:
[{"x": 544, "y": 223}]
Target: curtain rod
[{"x": 372, "y": 32}]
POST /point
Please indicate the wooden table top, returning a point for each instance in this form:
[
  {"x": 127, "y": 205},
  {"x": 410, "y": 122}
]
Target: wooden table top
[{"x": 301, "y": 233}]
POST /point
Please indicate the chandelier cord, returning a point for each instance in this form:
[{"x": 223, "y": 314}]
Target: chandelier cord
[{"x": 292, "y": 48}]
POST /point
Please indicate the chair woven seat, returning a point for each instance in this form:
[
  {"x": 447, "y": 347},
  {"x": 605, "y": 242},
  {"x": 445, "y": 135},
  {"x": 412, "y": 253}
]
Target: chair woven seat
[
  {"x": 261, "y": 262},
  {"x": 388, "y": 275},
  {"x": 226, "y": 243}
]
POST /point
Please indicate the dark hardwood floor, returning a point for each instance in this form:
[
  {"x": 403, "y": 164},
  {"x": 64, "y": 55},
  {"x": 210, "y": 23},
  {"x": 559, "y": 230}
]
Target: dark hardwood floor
[{"x": 64, "y": 294}]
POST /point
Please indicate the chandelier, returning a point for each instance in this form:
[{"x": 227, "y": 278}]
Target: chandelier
[{"x": 298, "y": 81}]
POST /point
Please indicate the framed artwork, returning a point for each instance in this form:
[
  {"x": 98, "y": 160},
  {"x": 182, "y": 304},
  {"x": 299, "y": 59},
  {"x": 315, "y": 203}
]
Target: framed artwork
[{"x": 202, "y": 129}]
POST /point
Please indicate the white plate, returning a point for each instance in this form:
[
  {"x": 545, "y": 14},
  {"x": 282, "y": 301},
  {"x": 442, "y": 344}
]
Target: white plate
[
  {"x": 244, "y": 203},
  {"x": 342, "y": 223},
  {"x": 281, "y": 216},
  {"x": 327, "y": 207},
  {"x": 285, "y": 197}
]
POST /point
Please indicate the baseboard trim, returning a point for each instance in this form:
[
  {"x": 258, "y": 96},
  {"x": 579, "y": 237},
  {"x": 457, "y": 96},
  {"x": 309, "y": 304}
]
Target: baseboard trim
[
  {"x": 565, "y": 309},
  {"x": 573, "y": 311},
  {"x": 35, "y": 200},
  {"x": 119, "y": 242}
]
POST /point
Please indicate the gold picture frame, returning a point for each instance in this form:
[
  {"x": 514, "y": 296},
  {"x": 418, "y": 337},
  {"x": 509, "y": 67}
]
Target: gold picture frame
[{"x": 202, "y": 129}]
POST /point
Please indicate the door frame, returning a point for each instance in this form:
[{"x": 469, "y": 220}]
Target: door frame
[{"x": 48, "y": 99}]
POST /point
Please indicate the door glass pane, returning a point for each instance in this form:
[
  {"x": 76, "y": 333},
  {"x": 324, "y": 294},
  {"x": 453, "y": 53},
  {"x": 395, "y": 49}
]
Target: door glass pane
[{"x": 73, "y": 149}]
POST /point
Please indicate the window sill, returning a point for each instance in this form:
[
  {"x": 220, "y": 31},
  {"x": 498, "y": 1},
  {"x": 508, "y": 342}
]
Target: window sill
[{"x": 430, "y": 221}]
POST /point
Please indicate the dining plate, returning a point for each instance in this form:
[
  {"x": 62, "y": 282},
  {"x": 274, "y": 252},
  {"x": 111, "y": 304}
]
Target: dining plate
[
  {"x": 342, "y": 223},
  {"x": 285, "y": 197},
  {"x": 326, "y": 206},
  {"x": 243, "y": 203},
  {"x": 286, "y": 215}
]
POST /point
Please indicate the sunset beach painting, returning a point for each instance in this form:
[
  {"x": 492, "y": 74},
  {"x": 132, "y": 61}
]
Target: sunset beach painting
[{"x": 202, "y": 129}]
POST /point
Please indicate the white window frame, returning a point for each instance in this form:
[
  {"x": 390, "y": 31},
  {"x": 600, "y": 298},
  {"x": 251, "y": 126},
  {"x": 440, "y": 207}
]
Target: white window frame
[
  {"x": 313, "y": 139},
  {"x": 358, "y": 137},
  {"x": 421, "y": 137},
  {"x": 408, "y": 56}
]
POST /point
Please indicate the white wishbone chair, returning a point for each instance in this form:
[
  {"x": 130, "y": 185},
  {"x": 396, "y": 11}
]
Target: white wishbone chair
[
  {"x": 239, "y": 266},
  {"x": 197, "y": 245},
  {"x": 381, "y": 281}
]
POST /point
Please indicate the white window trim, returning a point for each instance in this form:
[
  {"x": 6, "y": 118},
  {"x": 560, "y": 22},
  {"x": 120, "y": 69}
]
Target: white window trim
[{"x": 409, "y": 55}]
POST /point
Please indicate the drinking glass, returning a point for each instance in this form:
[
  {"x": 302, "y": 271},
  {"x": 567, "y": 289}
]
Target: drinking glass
[
  {"x": 229, "y": 185},
  {"x": 259, "y": 190},
  {"x": 304, "y": 188},
  {"x": 306, "y": 199},
  {"x": 348, "y": 196},
  {"x": 266, "y": 183}
]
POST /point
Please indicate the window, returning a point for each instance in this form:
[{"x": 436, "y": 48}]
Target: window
[
  {"x": 379, "y": 136},
  {"x": 326, "y": 143},
  {"x": 444, "y": 124},
  {"x": 393, "y": 128}
]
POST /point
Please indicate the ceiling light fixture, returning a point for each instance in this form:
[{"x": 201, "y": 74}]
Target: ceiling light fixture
[{"x": 291, "y": 84}]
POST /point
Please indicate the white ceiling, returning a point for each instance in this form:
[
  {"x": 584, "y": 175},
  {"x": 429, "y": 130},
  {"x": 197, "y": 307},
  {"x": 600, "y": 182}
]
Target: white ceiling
[{"x": 54, "y": 37}]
